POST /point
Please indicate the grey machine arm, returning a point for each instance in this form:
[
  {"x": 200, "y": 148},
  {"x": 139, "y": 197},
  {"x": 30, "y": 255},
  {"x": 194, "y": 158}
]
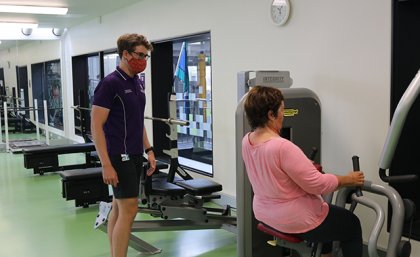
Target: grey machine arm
[
  {"x": 397, "y": 205},
  {"x": 394, "y": 132}
]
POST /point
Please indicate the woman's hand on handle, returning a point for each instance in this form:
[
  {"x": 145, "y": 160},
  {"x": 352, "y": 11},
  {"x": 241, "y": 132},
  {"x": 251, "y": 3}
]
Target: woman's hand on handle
[
  {"x": 353, "y": 178},
  {"x": 357, "y": 178}
]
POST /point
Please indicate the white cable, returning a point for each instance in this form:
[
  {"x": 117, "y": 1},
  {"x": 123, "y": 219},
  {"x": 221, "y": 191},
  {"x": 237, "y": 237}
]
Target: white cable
[{"x": 125, "y": 125}]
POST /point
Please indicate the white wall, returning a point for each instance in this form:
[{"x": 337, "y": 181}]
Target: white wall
[{"x": 339, "y": 49}]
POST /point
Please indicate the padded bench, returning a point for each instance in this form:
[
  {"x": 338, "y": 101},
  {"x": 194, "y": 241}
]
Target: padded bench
[
  {"x": 199, "y": 186},
  {"x": 158, "y": 184},
  {"x": 165, "y": 188},
  {"x": 45, "y": 158},
  {"x": 85, "y": 186}
]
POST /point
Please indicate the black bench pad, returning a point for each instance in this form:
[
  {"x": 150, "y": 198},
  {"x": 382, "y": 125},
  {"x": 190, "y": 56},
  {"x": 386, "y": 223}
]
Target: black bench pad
[
  {"x": 61, "y": 149},
  {"x": 45, "y": 158},
  {"x": 10, "y": 120},
  {"x": 158, "y": 185},
  {"x": 80, "y": 174},
  {"x": 200, "y": 186},
  {"x": 161, "y": 187}
]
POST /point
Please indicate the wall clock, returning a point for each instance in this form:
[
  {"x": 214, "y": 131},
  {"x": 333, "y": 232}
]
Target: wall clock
[{"x": 279, "y": 11}]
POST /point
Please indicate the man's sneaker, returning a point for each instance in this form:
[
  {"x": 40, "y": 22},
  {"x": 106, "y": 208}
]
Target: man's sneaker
[{"x": 102, "y": 217}]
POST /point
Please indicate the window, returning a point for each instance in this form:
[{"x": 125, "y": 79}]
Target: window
[
  {"x": 192, "y": 86},
  {"x": 88, "y": 70},
  {"x": 190, "y": 79}
]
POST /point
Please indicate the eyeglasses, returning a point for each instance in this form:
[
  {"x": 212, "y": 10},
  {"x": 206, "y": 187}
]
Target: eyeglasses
[{"x": 142, "y": 56}]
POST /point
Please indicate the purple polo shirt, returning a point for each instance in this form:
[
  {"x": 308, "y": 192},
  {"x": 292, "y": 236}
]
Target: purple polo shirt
[{"x": 125, "y": 98}]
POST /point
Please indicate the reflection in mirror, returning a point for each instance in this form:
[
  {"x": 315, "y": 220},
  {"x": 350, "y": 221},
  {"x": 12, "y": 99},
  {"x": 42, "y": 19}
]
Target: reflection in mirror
[
  {"x": 31, "y": 69},
  {"x": 111, "y": 61},
  {"x": 94, "y": 76},
  {"x": 88, "y": 70},
  {"x": 54, "y": 94},
  {"x": 37, "y": 88}
]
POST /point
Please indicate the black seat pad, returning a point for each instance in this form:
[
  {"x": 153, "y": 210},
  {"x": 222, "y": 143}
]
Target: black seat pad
[
  {"x": 162, "y": 187},
  {"x": 79, "y": 174},
  {"x": 200, "y": 186},
  {"x": 11, "y": 119},
  {"x": 61, "y": 149}
]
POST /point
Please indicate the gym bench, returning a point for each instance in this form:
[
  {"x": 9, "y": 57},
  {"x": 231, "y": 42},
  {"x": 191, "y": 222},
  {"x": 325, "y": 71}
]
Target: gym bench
[
  {"x": 85, "y": 186},
  {"x": 179, "y": 204},
  {"x": 45, "y": 159},
  {"x": 180, "y": 198}
]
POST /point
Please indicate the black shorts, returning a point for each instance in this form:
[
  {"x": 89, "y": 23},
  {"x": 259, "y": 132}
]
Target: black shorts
[{"x": 128, "y": 173}]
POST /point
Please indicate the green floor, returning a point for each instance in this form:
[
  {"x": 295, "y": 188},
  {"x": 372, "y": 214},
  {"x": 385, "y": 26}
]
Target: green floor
[{"x": 36, "y": 221}]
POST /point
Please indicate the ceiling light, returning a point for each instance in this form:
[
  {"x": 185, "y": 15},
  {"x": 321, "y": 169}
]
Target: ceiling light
[
  {"x": 33, "y": 9},
  {"x": 17, "y": 25},
  {"x": 26, "y": 31},
  {"x": 28, "y": 34},
  {"x": 58, "y": 31}
]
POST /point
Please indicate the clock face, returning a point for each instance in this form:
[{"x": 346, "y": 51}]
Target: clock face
[{"x": 279, "y": 11}]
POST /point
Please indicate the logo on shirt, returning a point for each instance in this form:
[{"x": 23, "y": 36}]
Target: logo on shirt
[
  {"x": 141, "y": 88},
  {"x": 128, "y": 91}
]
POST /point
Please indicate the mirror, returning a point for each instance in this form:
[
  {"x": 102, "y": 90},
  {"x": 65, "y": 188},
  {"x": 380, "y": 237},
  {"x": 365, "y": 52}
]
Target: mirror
[{"x": 31, "y": 69}]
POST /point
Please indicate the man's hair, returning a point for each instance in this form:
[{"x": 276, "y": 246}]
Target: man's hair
[
  {"x": 130, "y": 41},
  {"x": 259, "y": 101}
]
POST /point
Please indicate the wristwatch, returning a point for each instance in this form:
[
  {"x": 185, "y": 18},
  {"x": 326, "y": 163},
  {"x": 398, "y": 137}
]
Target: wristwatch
[{"x": 149, "y": 149}]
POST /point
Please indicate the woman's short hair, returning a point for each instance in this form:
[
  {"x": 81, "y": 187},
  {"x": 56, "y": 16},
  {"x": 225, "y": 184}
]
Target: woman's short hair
[
  {"x": 130, "y": 41},
  {"x": 259, "y": 101}
]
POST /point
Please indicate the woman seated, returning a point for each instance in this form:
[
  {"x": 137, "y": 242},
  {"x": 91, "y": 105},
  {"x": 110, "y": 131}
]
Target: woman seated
[{"x": 287, "y": 186}]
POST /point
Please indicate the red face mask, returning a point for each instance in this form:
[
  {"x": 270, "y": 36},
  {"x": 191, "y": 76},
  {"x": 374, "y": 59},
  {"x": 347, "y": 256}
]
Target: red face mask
[{"x": 137, "y": 65}]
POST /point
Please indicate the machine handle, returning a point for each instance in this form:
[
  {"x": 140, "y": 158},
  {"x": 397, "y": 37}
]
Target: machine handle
[
  {"x": 313, "y": 153},
  {"x": 312, "y": 158},
  {"x": 356, "y": 167},
  {"x": 396, "y": 179}
]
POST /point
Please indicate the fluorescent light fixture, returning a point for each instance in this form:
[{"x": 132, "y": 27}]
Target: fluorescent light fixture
[
  {"x": 17, "y": 25},
  {"x": 33, "y": 9}
]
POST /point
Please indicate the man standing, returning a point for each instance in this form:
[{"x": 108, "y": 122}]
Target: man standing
[{"x": 120, "y": 137}]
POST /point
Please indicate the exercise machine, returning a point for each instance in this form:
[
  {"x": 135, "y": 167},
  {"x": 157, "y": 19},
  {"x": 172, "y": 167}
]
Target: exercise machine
[
  {"x": 302, "y": 125},
  {"x": 16, "y": 146},
  {"x": 14, "y": 117},
  {"x": 178, "y": 199},
  {"x": 17, "y": 114},
  {"x": 401, "y": 208}
]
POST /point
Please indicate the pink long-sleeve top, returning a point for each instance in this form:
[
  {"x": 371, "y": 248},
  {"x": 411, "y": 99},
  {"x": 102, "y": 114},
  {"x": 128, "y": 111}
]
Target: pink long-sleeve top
[{"x": 287, "y": 187}]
